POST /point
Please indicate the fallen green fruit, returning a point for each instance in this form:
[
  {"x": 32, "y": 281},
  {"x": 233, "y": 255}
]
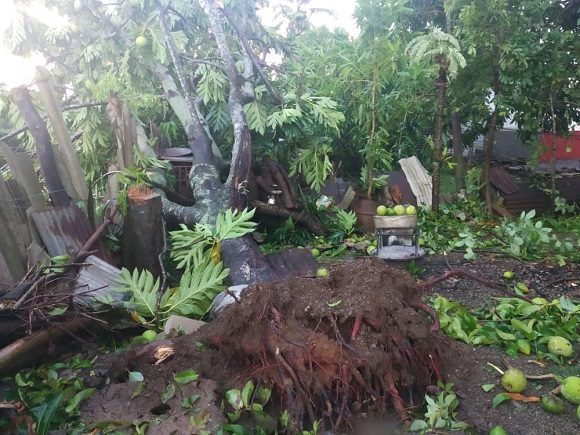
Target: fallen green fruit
[
  {"x": 315, "y": 252},
  {"x": 540, "y": 301},
  {"x": 149, "y": 335},
  {"x": 322, "y": 272},
  {"x": 498, "y": 430},
  {"x": 508, "y": 274},
  {"x": 571, "y": 389},
  {"x": 522, "y": 287},
  {"x": 553, "y": 405},
  {"x": 560, "y": 346},
  {"x": 523, "y": 346},
  {"x": 514, "y": 380}
]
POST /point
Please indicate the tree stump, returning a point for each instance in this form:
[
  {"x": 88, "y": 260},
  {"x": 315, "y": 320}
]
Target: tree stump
[{"x": 143, "y": 232}]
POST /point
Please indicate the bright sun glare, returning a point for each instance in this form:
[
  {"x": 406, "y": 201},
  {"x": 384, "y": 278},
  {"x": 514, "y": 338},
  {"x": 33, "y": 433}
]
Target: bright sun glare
[{"x": 17, "y": 70}]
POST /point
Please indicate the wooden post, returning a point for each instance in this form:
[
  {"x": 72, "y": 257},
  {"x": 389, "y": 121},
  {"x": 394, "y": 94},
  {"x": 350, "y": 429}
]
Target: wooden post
[
  {"x": 143, "y": 232},
  {"x": 44, "y": 149},
  {"x": 78, "y": 190},
  {"x": 22, "y": 169}
]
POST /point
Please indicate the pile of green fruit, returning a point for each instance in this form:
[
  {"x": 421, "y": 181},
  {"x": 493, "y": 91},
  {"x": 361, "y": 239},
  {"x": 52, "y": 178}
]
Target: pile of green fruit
[{"x": 398, "y": 210}]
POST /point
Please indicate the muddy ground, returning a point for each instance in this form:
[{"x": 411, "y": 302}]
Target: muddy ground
[{"x": 245, "y": 344}]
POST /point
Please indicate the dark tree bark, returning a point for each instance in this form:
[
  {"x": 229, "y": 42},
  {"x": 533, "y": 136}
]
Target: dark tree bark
[
  {"x": 488, "y": 151},
  {"x": 457, "y": 138},
  {"x": 44, "y": 150},
  {"x": 438, "y": 139},
  {"x": 143, "y": 231}
]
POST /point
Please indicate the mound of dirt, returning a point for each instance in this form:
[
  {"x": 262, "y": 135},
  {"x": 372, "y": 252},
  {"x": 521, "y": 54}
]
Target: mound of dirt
[{"x": 330, "y": 348}]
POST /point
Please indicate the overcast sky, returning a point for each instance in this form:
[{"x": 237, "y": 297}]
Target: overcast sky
[{"x": 16, "y": 71}]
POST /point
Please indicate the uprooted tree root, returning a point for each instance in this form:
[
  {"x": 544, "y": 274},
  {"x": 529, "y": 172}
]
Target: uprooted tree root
[
  {"x": 361, "y": 340},
  {"x": 334, "y": 347}
]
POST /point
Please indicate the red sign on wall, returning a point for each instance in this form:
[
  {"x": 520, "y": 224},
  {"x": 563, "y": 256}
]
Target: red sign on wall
[{"x": 567, "y": 148}]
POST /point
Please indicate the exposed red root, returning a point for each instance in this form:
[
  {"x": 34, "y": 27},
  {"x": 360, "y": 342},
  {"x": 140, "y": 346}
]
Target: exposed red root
[
  {"x": 288, "y": 337},
  {"x": 356, "y": 328},
  {"x": 435, "y": 368},
  {"x": 432, "y": 313}
]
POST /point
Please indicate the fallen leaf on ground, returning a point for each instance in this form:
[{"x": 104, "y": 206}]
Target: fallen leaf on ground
[{"x": 522, "y": 398}]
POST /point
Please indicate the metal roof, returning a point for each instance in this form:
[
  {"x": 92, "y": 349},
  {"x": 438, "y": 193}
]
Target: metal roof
[{"x": 419, "y": 180}]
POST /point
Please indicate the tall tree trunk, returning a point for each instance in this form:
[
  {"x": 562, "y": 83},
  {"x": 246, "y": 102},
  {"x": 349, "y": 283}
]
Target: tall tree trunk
[
  {"x": 457, "y": 138},
  {"x": 438, "y": 139},
  {"x": 44, "y": 149},
  {"x": 553, "y": 156},
  {"x": 488, "y": 150}
]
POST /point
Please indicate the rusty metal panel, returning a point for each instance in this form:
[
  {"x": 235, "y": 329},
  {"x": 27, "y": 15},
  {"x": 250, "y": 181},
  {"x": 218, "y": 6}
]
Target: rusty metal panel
[
  {"x": 502, "y": 181},
  {"x": 63, "y": 230},
  {"x": 292, "y": 263},
  {"x": 528, "y": 198}
]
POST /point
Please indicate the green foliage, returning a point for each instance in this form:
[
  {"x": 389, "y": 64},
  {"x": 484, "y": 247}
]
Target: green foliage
[
  {"x": 510, "y": 320},
  {"x": 193, "y": 297},
  {"x": 346, "y": 221},
  {"x": 53, "y": 394},
  {"x": 532, "y": 240},
  {"x": 441, "y": 413},
  {"x": 314, "y": 165},
  {"x": 189, "y": 246},
  {"x": 462, "y": 226},
  {"x": 563, "y": 207},
  {"x": 288, "y": 234},
  {"x": 440, "y": 47}
]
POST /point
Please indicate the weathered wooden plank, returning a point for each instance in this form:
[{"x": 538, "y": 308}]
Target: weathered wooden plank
[
  {"x": 13, "y": 221},
  {"x": 22, "y": 169},
  {"x": 44, "y": 149},
  {"x": 78, "y": 189}
]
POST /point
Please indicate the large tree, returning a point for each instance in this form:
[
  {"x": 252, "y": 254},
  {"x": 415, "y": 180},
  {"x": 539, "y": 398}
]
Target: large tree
[{"x": 202, "y": 62}]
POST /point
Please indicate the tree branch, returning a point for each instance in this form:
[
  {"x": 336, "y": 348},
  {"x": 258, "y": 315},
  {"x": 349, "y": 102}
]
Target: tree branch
[
  {"x": 297, "y": 216},
  {"x": 255, "y": 61},
  {"x": 241, "y": 167}
]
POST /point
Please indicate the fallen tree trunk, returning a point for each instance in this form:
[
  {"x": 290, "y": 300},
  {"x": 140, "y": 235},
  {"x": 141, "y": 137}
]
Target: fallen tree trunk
[{"x": 30, "y": 349}]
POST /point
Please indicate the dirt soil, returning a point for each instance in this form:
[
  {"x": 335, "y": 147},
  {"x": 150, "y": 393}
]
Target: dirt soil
[
  {"x": 466, "y": 367},
  {"x": 340, "y": 349},
  {"x": 330, "y": 348}
]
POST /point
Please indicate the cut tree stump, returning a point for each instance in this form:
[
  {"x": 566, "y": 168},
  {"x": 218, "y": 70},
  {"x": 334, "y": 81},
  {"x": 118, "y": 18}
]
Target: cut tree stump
[{"x": 143, "y": 233}]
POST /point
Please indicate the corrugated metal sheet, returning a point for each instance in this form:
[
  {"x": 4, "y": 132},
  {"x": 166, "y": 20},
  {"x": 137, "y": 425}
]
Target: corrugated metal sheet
[
  {"x": 502, "y": 181},
  {"x": 419, "y": 180},
  {"x": 292, "y": 263},
  {"x": 95, "y": 282},
  {"x": 63, "y": 230},
  {"x": 528, "y": 198}
]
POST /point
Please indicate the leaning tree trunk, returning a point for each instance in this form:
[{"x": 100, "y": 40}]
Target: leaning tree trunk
[
  {"x": 438, "y": 140},
  {"x": 242, "y": 256}
]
